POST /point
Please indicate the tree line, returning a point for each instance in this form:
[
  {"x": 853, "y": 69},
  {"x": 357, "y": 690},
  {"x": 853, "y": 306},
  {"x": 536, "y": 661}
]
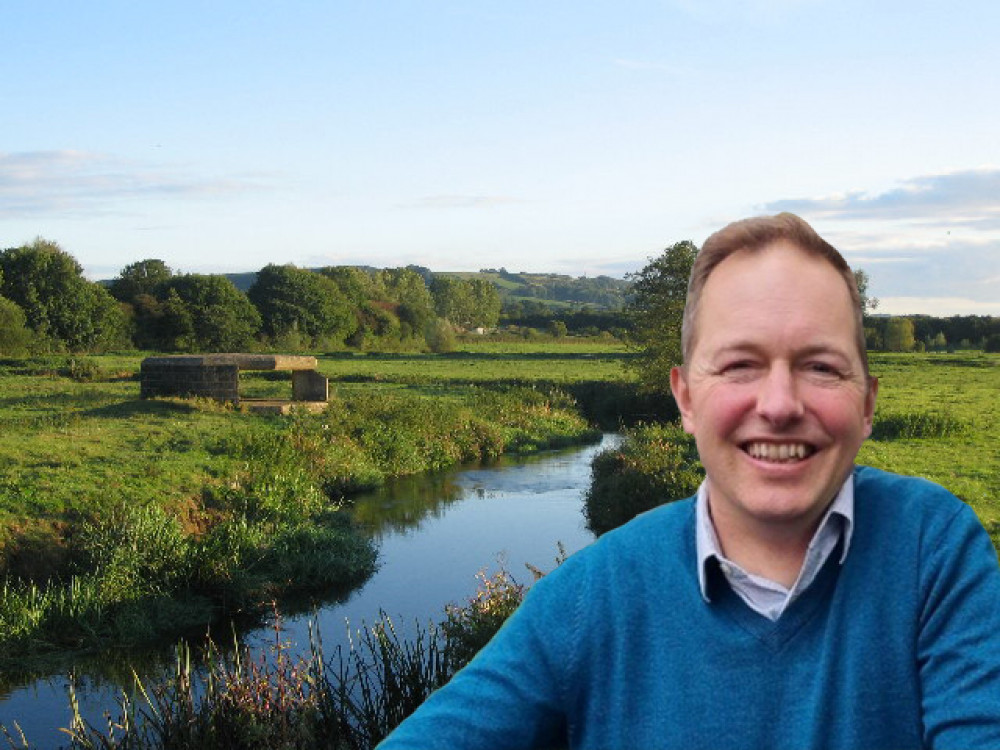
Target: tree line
[{"x": 46, "y": 304}]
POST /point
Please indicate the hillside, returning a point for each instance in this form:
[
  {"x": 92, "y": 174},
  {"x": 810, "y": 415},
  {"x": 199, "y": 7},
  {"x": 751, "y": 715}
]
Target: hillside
[{"x": 556, "y": 290}]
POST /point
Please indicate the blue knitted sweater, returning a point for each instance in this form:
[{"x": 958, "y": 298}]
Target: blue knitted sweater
[{"x": 899, "y": 647}]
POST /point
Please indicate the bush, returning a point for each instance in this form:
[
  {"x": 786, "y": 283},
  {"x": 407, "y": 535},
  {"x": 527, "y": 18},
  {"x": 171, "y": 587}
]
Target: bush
[
  {"x": 15, "y": 337},
  {"x": 655, "y": 464},
  {"x": 916, "y": 424},
  {"x": 992, "y": 344},
  {"x": 440, "y": 336}
]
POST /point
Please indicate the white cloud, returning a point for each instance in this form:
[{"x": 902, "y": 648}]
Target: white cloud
[
  {"x": 968, "y": 198},
  {"x": 78, "y": 182},
  {"x": 938, "y": 306},
  {"x": 464, "y": 201}
]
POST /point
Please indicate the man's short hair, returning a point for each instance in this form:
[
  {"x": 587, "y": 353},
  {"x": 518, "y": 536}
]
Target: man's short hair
[{"x": 753, "y": 235}]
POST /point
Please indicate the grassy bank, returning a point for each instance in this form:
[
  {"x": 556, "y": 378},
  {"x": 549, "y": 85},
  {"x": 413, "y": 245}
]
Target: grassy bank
[{"x": 126, "y": 519}]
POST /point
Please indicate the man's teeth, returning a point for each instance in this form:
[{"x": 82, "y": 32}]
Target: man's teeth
[{"x": 779, "y": 451}]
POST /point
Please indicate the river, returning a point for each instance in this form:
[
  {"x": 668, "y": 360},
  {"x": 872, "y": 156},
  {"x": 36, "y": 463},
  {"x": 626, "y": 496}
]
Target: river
[{"x": 434, "y": 534}]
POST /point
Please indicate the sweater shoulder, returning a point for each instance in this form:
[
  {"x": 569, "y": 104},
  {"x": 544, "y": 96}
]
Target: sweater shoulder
[
  {"x": 885, "y": 500},
  {"x": 873, "y": 485}
]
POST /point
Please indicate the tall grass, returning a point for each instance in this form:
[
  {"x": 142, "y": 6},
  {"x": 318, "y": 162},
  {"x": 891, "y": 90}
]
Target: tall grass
[{"x": 269, "y": 699}]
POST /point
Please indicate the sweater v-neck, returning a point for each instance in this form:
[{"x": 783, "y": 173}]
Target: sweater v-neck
[{"x": 774, "y": 634}]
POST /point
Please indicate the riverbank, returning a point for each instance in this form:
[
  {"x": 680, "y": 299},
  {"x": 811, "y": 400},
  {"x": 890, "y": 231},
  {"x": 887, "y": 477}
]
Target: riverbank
[{"x": 126, "y": 520}]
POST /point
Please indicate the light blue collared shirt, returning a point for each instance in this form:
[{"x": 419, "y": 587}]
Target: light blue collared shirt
[{"x": 763, "y": 595}]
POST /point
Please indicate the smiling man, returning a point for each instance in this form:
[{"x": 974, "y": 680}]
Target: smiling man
[{"x": 797, "y": 601}]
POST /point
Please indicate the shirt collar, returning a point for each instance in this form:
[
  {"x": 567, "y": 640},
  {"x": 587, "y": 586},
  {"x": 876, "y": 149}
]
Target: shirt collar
[{"x": 707, "y": 544}]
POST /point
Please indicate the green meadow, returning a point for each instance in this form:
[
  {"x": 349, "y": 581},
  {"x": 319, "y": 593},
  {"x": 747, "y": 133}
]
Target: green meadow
[
  {"x": 120, "y": 509},
  {"x": 938, "y": 416}
]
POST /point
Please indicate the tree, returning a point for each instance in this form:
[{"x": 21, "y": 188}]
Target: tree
[
  {"x": 486, "y": 303},
  {"x": 219, "y": 316},
  {"x": 659, "y": 292},
  {"x": 141, "y": 277},
  {"x": 868, "y": 304},
  {"x": 59, "y": 304},
  {"x": 407, "y": 288},
  {"x": 292, "y": 299},
  {"x": 899, "y": 335},
  {"x": 468, "y": 303},
  {"x": 452, "y": 300},
  {"x": 14, "y": 334}
]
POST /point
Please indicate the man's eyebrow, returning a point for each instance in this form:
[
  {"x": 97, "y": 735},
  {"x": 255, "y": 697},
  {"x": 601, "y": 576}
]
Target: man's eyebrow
[{"x": 740, "y": 346}]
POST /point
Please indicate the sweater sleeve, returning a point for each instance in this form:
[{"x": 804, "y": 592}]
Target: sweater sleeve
[
  {"x": 510, "y": 695},
  {"x": 958, "y": 648}
]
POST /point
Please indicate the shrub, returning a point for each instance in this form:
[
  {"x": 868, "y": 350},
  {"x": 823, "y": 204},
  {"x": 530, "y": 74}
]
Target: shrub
[
  {"x": 655, "y": 464},
  {"x": 992, "y": 344},
  {"x": 916, "y": 424}
]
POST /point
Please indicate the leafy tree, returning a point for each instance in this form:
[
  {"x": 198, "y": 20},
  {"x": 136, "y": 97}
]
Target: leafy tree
[
  {"x": 468, "y": 303},
  {"x": 899, "y": 335},
  {"x": 659, "y": 291},
  {"x": 219, "y": 316},
  {"x": 141, "y": 277},
  {"x": 868, "y": 304},
  {"x": 292, "y": 299},
  {"x": 59, "y": 304},
  {"x": 486, "y": 303},
  {"x": 452, "y": 300},
  {"x": 14, "y": 334},
  {"x": 356, "y": 284},
  {"x": 557, "y": 328},
  {"x": 407, "y": 288},
  {"x": 992, "y": 344}
]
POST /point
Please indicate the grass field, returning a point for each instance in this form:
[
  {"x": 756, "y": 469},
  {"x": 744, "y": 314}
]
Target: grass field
[
  {"x": 77, "y": 444},
  {"x": 954, "y": 394}
]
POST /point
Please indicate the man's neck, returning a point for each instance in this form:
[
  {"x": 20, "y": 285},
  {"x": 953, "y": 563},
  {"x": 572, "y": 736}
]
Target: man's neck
[{"x": 772, "y": 550}]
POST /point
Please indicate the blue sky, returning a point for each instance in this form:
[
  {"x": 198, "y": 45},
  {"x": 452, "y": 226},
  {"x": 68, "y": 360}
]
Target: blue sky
[{"x": 573, "y": 137}]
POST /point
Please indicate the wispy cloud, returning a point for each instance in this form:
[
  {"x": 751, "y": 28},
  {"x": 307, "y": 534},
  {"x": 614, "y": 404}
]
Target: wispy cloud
[
  {"x": 929, "y": 237},
  {"x": 964, "y": 198},
  {"x": 464, "y": 201},
  {"x": 69, "y": 182}
]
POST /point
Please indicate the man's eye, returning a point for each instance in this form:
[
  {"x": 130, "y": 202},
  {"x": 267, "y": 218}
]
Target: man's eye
[{"x": 822, "y": 368}]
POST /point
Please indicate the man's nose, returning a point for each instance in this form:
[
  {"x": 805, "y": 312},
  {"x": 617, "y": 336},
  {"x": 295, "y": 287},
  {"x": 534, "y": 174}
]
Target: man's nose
[{"x": 778, "y": 400}]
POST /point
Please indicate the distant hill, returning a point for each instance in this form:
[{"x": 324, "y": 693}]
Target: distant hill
[
  {"x": 557, "y": 290},
  {"x": 551, "y": 289},
  {"x": 603, "y": 292}
]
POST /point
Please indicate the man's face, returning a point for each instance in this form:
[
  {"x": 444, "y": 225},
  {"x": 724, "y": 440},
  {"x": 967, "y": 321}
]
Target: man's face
[{"x": 775, "y": 392}]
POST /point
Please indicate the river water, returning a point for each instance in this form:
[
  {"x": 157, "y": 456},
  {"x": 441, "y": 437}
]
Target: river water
[{"x": 434, "y": 534}]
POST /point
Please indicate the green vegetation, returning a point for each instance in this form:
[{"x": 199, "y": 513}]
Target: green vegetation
[
  {"x": 654, "y": 464},
  {"x": 237, "y": 495},
  {"x": 246, "y": 700},
  {"x": 125, "y": 519},
  {"x": 660, "y": 292}
]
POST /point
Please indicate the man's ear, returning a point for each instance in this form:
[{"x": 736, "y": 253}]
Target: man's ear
[
  {"x": 870, "y": 394},
  {"x": 679, "y": 387}
]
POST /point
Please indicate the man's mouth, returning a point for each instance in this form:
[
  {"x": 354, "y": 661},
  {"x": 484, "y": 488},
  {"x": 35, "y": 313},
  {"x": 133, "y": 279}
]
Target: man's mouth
[{"x": 779, "y": 452}]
